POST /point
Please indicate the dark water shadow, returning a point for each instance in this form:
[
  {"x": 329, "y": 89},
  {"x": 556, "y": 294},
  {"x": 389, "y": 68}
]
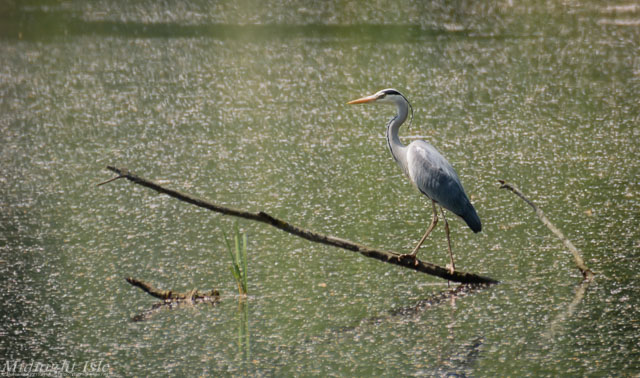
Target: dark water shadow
[
  {"x": 39, "y": 25},
  {"x": 460, "y": 359}
]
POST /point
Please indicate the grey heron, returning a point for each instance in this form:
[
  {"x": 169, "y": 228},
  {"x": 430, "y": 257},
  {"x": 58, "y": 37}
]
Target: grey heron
[{"x": 427, "y": 169}]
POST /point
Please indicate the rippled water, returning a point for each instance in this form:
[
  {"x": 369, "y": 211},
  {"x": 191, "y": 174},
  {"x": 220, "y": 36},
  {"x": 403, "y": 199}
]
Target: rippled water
[{"x": 244, "y": 104}]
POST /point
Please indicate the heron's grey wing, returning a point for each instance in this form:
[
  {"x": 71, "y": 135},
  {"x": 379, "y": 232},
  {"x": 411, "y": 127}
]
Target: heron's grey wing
[{"x": 435, "y": 177}]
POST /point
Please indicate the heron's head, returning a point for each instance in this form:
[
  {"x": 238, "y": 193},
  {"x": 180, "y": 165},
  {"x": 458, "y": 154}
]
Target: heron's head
[{"x": 385, "y": 96}]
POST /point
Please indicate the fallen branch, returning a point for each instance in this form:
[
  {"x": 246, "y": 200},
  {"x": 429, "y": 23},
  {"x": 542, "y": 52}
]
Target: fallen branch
[
  {"x": 169, "y": 295},
  {"x": 171, "y": 299},
  {"x": 577, "y": 257},
  {"x": 389, "y": 257}
]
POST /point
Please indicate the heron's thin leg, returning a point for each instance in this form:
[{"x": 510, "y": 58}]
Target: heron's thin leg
[
  {"x": 452, "y": 267},
  {"x": 434, "y": 221}
]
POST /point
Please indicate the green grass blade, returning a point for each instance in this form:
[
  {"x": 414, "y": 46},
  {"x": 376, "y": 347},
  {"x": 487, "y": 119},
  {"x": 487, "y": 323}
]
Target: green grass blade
[
  {"x": 235, "y": 263},
  {"x": 243, "y": 257}
]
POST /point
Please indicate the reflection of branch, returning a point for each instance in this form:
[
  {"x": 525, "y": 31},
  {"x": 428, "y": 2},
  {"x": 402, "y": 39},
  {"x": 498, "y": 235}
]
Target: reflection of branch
[
  {"x": 462, "y": 356},
  {"x": 436, "y": 300},
  {"x": 577, "y": 257},
  {"x": 388, "y": 257},
  {"x": 558, "y": 320}
]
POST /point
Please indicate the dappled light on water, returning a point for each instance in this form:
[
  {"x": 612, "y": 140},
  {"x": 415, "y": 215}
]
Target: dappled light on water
[{"x": 246, "y": 106}]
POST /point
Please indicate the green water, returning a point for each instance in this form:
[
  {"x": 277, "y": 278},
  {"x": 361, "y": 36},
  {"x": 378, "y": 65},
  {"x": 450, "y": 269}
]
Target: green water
[{"x": 243, "y": 103}]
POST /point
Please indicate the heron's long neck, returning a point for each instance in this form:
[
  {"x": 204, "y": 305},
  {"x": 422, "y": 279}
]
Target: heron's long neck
[{"x": 398, "y": 150}]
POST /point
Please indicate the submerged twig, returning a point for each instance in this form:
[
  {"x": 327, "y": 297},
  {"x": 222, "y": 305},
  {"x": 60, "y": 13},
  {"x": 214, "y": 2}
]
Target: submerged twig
[
  {"x": 577, "y": 257},
  {"x": 261, "y": 216}
]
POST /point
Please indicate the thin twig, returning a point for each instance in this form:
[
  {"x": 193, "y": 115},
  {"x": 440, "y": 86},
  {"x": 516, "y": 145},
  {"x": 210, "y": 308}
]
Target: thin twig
[
  {"x": 109, "y": 180},
  {"x": 577, "y": 257},
  {"x": 261, "y": 216}
]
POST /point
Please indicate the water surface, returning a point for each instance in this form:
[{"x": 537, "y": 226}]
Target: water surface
[{"x": 244, "y": 104}]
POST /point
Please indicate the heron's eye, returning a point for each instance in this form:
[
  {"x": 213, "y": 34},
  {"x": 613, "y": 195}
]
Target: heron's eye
[{"x": 382, "y": 96}]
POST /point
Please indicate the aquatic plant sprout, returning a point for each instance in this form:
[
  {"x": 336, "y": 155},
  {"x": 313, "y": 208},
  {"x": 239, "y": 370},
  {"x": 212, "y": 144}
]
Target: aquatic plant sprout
[{"x": 238, "y": 256}]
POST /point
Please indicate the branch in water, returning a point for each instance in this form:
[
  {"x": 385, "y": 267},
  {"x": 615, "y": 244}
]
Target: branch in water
[
  {"x": 169, "y": 295},
  {"x": 171, "y": 299},
  {"x": 261, "y": 216}
]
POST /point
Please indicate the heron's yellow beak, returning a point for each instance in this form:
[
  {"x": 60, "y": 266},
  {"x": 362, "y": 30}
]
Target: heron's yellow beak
[{"x": 363, "y": 100}]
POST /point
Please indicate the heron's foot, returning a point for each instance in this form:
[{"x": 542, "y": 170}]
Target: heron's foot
[
  {"x": 411, "y": 256},
  {"x": 451, "y": 268}
]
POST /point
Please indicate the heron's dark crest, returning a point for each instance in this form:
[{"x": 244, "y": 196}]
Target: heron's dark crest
[{"x": 394, "y": 92}]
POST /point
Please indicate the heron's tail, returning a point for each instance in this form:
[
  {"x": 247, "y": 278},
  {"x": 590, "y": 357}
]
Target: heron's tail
[{"x": 472, "y": 219}]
